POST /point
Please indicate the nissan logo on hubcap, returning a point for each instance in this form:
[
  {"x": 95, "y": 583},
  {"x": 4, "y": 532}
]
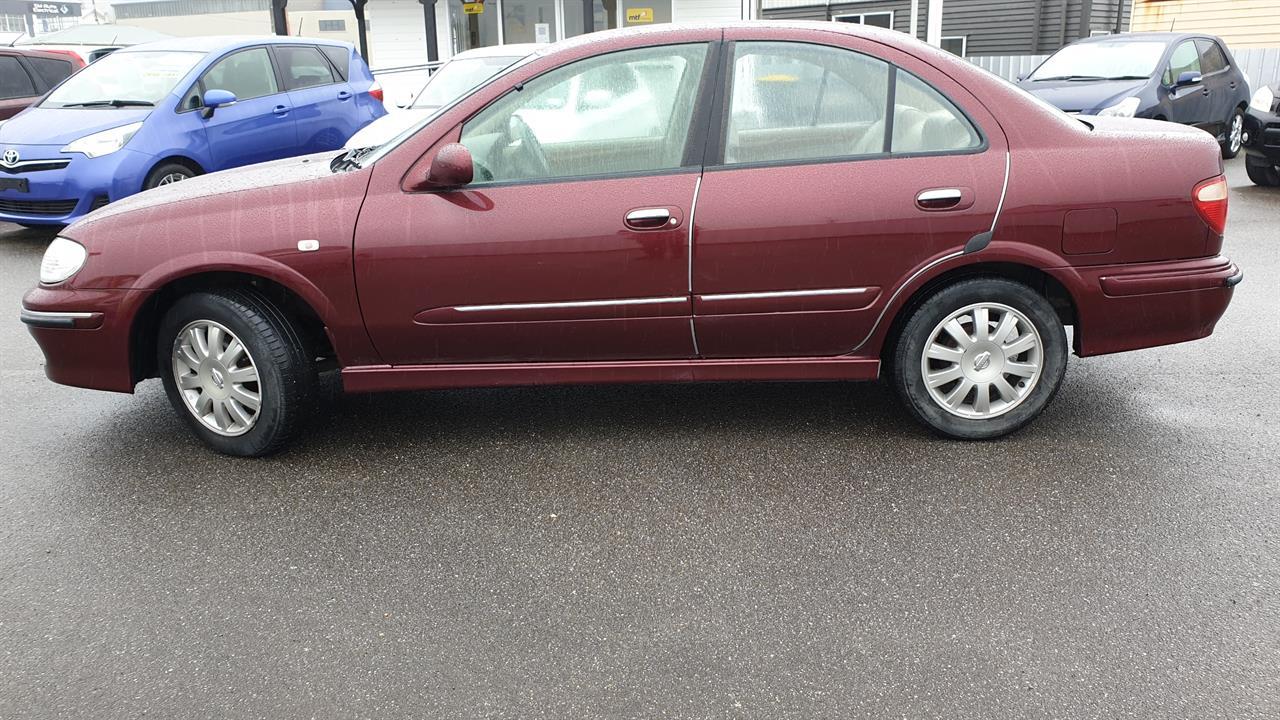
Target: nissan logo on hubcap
[
  {"x": 982, "y": 362},
  {"x": 217, "y": 378},
  {"x": 10, "y": 157}
]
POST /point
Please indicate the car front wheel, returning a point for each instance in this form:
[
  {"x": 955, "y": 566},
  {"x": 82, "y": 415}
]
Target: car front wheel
[
  {"x": 168, "y": 174},
  {"x": 980, "y": 359},
  {"x": 235, "y": 370}
]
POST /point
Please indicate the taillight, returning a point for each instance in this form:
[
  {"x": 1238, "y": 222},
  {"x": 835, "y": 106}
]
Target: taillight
[
  {"x": 1210, "y": 199},
  {"x": 375, "y": 90}
]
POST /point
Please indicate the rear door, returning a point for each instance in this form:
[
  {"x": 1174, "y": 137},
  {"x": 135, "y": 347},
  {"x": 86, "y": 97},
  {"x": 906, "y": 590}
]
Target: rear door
[
  {"x": 1189, "y": 104},
  {"x": 260, "y": 125},
  {"x": 324, "y": 111},
  {"x": 839, "y": 172},
  {"x": 1218, "y": 79},
  {"x": 567, "y": 246},
  {"x": 17, "y": 88}
]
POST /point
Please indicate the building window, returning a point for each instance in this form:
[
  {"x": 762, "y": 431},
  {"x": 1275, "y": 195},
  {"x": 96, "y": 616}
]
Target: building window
[
  {"x": 878, "y": 19},
  {"x": 333, "y": 26},
  {"x": 956, "y": 44},
  {"x": 13, "y": 23}
]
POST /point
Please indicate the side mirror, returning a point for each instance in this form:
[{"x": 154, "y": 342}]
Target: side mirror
[
  {"x": 450, "y": 168},
  {"x": 1022, "y": 76},
  {"x": 214, "y": 99},
  {"x": 1190, "y": 77},
  {"x": 405, "y": 101}
]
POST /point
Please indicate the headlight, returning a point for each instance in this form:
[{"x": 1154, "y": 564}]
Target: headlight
[
  {"x": 105, "y": 142},
  {"x": 1262, "y": 100},
  {"x": 1125, "y": 108},
  {"x": 62, "y": 259}
]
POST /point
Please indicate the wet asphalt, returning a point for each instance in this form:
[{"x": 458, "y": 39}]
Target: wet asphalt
[{"x": 718, "y": 551}]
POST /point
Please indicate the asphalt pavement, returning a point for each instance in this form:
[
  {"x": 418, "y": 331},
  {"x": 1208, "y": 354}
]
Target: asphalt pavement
[{"x": 716, "y": 551}]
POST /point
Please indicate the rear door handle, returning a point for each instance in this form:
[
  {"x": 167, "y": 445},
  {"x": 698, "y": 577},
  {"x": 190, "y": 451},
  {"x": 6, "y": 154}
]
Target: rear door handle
[
  {"x": 1204, "y": 91},
  {"x": 344, "y": 95},
  {"x": 939, "y": 199},
  {"x": 281, "y": 110},
  {"x": 651, "y": 219}
]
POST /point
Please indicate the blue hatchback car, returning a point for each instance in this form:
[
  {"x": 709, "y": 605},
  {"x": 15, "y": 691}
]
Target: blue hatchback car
[{"x": 165, "y": 111}]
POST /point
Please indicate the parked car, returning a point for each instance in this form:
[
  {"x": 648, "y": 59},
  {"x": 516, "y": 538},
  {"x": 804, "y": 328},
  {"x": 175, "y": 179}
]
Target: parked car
[
  {"x": 457, "y": 77},
  {"x": 25, "y": 75},
  {"x": 1185, "y": 78},
  {"x": 1262, "y": 136},
  {"x": 942, "y": 242},
  {"x": 90, "y": 41},
  {"x": 154, "y": 114}
]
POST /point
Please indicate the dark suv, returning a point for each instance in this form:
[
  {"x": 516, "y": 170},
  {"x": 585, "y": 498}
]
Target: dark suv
[
  {"x": 25, "y": 75},
  {"x": 1185, "y": 78}
]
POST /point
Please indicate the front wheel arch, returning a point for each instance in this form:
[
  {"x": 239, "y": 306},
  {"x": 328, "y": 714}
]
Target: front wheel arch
[
  {"x": 146, "y": 323},
  {"x": 183, "y": 160}
]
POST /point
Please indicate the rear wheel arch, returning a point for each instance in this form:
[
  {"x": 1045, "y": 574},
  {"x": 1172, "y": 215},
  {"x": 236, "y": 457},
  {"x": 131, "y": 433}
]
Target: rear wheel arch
[
  {"x": 1046, "y": 285},
  {"x": 304, "y": 319}
]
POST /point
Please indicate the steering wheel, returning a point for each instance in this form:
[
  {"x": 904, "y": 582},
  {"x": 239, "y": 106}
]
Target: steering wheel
[{"x": 518, "y": 129}]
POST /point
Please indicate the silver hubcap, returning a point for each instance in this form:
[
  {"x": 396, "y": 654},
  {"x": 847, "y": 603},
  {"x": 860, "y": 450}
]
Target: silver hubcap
[
  {"x": 982, "y": 361},
  {"x": 217, "y": 378},
  {"x": 172, "y": 178},
  {"x": 1237, "y": 132}
]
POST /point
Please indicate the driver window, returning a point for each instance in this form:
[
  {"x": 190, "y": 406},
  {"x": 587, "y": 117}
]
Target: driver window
[
  {"x": 618, "y": 113},
  {"x": 248, "y": 74},
  {"x": 1184, "y": 59}
]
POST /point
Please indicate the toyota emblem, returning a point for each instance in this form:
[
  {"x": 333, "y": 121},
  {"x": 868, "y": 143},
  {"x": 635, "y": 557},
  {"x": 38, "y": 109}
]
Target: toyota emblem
[{"x": 10, "y": 157}]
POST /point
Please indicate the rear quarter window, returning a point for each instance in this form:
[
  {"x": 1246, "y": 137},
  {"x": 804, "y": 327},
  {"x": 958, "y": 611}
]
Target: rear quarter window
[
  {"x": 14, "y": 81},
  {"x": 340, "y": 58}
]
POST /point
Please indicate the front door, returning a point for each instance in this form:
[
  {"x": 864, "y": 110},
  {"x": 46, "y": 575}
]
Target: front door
[
  {"x": 259, "y": 126},
  {"x": 813, "y": 204},
  {"x": 572, "y": 241},
  {"x": 1189, "y": 104}
]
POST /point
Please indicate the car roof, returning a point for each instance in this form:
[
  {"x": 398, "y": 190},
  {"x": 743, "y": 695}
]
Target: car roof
[
  {"x": 94, "y": 34},
  {"x": 214, "y": 43},
  {"x": 1165, "y": 37},
  {"x": 31, "y": 52}
]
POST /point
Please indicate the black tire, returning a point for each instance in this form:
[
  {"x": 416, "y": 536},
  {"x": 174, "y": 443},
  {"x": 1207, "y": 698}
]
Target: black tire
[
  {"x": 908, "y": 376},
  {"x": 285, "y": 369},
  {"x": 1228, "y": 152},
  {"x": 165, "y": 170},
  {"x": 1262, "y": 172}
]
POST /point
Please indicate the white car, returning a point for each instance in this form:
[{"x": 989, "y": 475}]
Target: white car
[
  {"x": 90, "y": 41},
  {"x": 462, "y": 74}
]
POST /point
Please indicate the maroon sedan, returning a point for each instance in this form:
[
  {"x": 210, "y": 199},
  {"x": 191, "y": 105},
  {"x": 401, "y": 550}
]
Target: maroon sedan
[{"x": 674, "y": 204}]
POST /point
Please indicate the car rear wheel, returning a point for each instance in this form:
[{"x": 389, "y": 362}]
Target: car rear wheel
[
  {"x": 1262, "y": 172},
  {"x": 167, "y": 174},
  {"x": 235, "y": 370},
  {"x": 1235, "y": 135},
  {"x": 980, "y": 359}
]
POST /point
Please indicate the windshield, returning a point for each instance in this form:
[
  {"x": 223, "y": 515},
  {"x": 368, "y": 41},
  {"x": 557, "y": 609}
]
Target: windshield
[
  {"x": 1105, "y": 60},
  {"x": 457, "y": 77},
  {"x": 123, "y": 79}
]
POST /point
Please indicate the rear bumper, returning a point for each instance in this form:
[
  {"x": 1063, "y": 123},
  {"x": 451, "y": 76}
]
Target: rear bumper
[
  {"x": 84, "y": 334},
  {"x": 1129, "y": 307}
]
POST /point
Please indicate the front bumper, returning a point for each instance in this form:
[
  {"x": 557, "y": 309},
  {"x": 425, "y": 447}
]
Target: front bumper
[
  {"x": 1263, "y": 131},
  {"x": 85, "y": 335},
  {"x": 1129, "y": 307},
  {"x": 61, "y": 195}
]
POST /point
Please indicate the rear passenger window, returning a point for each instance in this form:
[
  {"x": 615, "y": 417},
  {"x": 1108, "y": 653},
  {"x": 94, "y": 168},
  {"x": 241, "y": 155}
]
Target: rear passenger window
[
  {"x": 303, "y": 67},
  {"x": 925, "y": 121},
  {"x": 1211, "y": 58},
  {"x": 50, "y": 72},
  {"x": 246, "y": 74},
  {"x": 796, "y": 101},
  {"x": 340, "y": 58},
  {"x": 14, "y": 81}
]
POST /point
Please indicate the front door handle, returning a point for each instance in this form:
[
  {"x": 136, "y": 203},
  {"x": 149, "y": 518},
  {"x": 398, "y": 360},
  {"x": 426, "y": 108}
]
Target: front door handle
[
  {"x": 650, "y": 219},
  {"x": 1204, "y": 91},
  {"x": 939, "y": 199},
  {"x": 281, "y": 110}
]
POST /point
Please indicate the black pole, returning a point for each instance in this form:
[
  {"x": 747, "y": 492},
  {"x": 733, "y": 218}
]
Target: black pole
[
  {"x": 358, "y": 5},
  {"x": 279, "y": 21},
  {"x": 588, "y": 16},
  {"x": 429, "y": 16}
]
